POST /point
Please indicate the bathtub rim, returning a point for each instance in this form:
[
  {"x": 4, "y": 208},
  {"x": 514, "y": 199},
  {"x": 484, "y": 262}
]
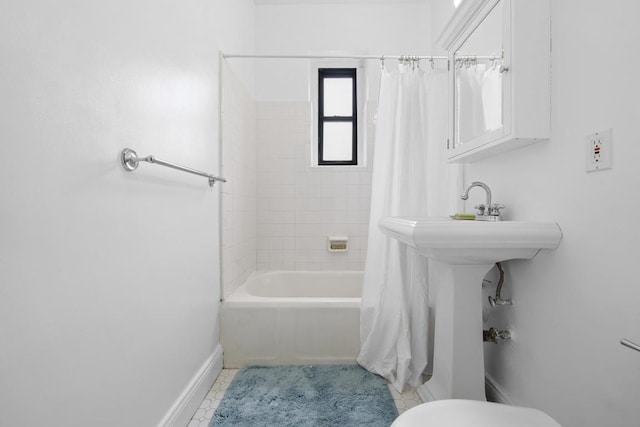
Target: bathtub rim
[{"x": 242, "y": 298}]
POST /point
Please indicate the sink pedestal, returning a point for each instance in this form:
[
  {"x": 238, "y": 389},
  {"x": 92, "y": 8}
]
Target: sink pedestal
[
  {"x": 464, "y": 251},
  {"x": 458, "y": 356}
]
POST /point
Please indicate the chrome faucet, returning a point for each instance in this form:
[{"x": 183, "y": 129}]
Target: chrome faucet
[{"x": 486, "y": 211}]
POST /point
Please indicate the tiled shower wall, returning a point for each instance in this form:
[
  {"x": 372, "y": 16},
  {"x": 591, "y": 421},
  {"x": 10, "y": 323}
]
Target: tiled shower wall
[
  {"x": 299, "y": 206},
  {"x": 239, "y": 217}
]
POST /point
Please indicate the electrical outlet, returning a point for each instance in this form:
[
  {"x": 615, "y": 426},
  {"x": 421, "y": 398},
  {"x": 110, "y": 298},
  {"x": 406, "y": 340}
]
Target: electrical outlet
[{"x": 599, "y": 147}]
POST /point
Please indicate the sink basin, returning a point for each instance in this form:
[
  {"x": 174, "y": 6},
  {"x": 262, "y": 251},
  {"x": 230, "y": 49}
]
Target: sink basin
[
  {"x": 472, "y": 242},
  {"x": 464, "y": 251}
]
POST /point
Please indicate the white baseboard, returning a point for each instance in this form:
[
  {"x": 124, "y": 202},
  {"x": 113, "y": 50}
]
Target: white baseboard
[
  {"x": 495, "y": 392},
  {"x": 425, "y": 394},
  {"x": 189, "y": 400}
]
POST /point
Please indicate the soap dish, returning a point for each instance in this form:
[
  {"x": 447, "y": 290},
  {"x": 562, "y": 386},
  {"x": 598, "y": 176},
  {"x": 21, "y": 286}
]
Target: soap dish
[{"x": 463, "y": 216}]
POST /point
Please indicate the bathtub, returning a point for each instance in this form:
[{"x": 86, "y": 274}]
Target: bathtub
[{"x": 292, "y": 317}]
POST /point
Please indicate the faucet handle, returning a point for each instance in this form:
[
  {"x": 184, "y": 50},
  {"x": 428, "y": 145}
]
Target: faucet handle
[
  {"x": 494, "y": 209},
  {"x": 480, "y": 209}
]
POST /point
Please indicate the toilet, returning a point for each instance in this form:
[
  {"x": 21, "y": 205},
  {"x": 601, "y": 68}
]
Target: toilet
[{"x": 472, "y": 413}]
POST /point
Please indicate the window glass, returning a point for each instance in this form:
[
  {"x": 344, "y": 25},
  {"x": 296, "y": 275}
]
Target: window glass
[
  {"x": 338, "y": 97},
  {"x": 338, "y": 141}
]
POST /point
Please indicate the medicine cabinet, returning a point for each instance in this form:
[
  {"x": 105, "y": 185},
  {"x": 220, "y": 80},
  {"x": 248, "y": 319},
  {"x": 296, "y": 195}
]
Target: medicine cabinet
[{"x": 499, "y": 76}]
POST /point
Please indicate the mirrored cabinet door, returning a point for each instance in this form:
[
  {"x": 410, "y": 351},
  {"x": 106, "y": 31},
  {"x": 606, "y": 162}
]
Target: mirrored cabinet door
[
  {"x": 499, "y": 76},
  {"x": 477, "y": 71}
]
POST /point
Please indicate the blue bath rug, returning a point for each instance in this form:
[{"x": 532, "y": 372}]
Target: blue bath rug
[{"x": 306, "y": 396}]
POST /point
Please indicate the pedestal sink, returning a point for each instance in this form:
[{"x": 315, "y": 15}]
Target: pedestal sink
[{"x": 466, "y": 251}]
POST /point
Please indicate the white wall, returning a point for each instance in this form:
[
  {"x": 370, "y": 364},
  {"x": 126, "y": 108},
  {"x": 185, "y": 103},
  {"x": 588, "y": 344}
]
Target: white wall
[
  {"x": 234, "y": 22},
  {"x": 575, "y": 303},
  {"x": 338, "y": 28},
  {"x": 110, "y": 280}
]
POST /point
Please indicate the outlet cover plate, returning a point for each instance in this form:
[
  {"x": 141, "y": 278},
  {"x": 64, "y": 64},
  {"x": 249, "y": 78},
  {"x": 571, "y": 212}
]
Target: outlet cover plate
[{"x": 598, "y": 148}]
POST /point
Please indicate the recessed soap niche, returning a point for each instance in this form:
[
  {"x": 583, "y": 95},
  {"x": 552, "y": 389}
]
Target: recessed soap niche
[{"x": 338, "y": 243}]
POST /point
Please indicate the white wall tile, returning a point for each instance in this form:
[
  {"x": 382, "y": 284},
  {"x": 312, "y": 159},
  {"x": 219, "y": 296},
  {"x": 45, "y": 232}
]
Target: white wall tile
[
  {"x": 299, "y": 206},
  {"x": 240, "y": 242}
]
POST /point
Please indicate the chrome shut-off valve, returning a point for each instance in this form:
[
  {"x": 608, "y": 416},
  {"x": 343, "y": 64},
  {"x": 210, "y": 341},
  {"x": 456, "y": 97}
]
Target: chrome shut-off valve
[{"x": 494, "y": 335}]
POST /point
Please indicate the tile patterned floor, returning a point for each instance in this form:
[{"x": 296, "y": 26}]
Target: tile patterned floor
[{"x": 201, "y": 418}]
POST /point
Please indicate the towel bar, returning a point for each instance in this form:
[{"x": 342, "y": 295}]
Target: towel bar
[
  {"x": 130, "y": 161},
  {"x": 625, "y": 342}
]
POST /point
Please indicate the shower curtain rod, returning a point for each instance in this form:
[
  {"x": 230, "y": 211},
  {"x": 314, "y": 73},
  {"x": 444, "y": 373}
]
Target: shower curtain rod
[{"x": 379, "y": 57}]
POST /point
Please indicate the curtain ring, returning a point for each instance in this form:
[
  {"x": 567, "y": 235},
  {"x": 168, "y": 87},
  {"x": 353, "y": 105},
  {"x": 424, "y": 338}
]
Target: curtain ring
[{"x": 382, "y": 62}]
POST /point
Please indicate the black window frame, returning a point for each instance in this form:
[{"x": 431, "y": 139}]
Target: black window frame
[{"x": 327, "y": 73}]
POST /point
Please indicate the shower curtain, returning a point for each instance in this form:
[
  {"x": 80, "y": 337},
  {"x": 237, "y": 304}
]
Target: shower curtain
[{"x": 394, "y": 308}]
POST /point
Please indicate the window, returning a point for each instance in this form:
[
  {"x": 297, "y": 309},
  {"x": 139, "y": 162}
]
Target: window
[{"x": 337, "y": 117}]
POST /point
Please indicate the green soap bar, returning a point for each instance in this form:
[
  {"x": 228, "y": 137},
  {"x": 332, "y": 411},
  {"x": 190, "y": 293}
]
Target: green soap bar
[{"x": 464, "y": 216}]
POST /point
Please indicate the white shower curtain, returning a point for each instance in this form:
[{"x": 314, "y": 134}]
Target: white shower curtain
[{"x": 394, "y": 310}]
